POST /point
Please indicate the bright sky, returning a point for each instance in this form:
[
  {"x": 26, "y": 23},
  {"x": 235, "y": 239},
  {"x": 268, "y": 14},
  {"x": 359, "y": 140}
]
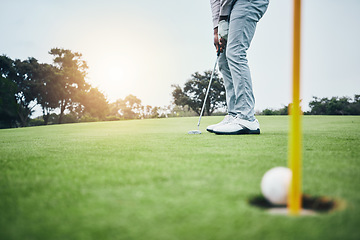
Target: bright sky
[{"x": 142, "y": 47}]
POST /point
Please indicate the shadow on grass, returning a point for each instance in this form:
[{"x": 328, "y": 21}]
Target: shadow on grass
[{"x": 317, "y": 204}]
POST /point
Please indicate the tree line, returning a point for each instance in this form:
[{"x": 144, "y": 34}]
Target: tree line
[
  {"x": 61, "y": 87},
  {"x": 58, "y": 87},
  {"x": 324, "y": 106},
  {"x": 335, "y": 106}
]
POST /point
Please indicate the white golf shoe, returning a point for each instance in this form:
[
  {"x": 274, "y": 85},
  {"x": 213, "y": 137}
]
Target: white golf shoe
[
  {"x": 238, "y": 126},
  {"x": 227, "y": 119}
]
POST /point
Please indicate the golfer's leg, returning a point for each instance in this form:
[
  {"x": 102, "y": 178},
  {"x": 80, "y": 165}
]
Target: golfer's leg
[
  {"x": 228, "y": 83},
  {"x": 243, "y": 20}
]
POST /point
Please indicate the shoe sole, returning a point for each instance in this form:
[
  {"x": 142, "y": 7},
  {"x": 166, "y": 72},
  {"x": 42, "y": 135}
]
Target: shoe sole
[
  {"x": 240, "y": 132},
  {"x": 210, "y": 130}
]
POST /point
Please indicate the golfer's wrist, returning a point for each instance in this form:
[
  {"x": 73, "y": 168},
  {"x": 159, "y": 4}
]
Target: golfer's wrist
[{"x": 216, "y": 30}]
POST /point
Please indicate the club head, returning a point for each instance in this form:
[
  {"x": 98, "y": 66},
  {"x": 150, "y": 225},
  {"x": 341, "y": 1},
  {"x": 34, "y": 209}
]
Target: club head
[{"x": 194, "y": 132}]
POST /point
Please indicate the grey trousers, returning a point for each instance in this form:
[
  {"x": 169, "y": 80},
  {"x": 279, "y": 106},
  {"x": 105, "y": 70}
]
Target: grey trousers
[{"x": 233, "y": 63}]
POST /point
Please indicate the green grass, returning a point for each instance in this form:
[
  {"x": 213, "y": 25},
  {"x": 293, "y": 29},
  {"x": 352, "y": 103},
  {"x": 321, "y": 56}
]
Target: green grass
[{"x": 149, "y": 179}]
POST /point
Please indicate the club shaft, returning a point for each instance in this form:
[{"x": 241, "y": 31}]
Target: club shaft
[{"x": 207, "y": 91}]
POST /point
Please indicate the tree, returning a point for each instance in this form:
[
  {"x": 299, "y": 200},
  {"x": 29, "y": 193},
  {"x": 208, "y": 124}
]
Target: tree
[
  {"x": 180, "y": 99},
  {"x": 154, "y": 112},
  {"x": 72, "y": 71},
  {"x": 26, "y": 94},
  {"x": 128, "y": 108},
  {"x": 355, "y": 106},
  {"x": 47, "y": 80},
  {"x": 20, "y": 73},
  {"x": 8, "y": 89},
  {"x": 131, "y": 107},
  {"x": 8, "y": 105},
  {"x": 194, "y": 92},
  {"x": 150, "y": 111},
  {"x": 95, "y": 104},
  {"x": 180, "y": 111}
]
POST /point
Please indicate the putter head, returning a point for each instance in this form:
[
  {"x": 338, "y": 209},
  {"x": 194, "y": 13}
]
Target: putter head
[{"x": 194, "y": 132}]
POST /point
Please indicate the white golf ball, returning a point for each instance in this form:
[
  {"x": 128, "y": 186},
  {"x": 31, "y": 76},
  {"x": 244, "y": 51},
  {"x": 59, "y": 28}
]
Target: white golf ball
[{"x": 275, "y": 185}]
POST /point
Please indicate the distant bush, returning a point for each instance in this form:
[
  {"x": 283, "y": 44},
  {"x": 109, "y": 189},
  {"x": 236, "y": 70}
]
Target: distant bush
[
  {"x": 281, "y": 111},
  {"x": 113, "y": 118},
  {"x": 88, "y": 118},
  {"x": 335, "y": 106},
  {"x": 36, "y": 122},
  {"x": 70, "y": 118}
]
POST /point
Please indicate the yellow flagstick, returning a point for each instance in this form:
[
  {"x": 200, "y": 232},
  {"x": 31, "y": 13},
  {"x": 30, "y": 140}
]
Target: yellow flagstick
[{"x": 294, "y": 199}]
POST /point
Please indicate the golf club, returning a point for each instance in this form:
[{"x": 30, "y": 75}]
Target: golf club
[{"x": 206, "y": 95}]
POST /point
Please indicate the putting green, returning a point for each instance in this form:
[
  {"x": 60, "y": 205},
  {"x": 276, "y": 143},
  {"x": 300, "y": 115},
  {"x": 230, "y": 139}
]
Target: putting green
[{"x": 149, "y": 179}]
